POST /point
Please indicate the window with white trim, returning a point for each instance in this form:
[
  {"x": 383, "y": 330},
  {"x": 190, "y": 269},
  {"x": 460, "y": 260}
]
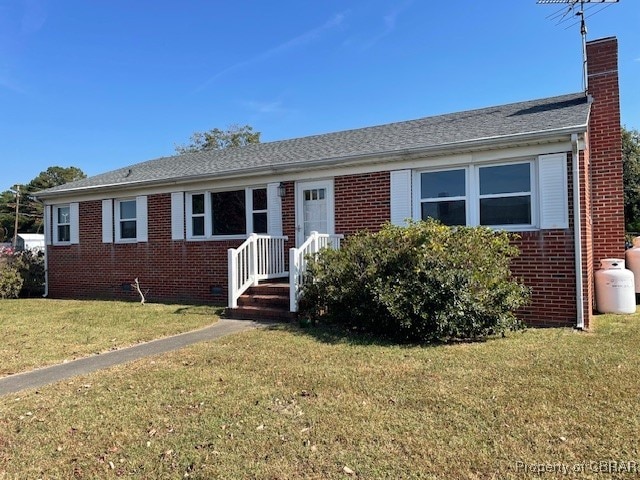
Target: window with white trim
[
  {"x": 505, "y": 194},
  {"x": 126, "y": 220},
  {"x": 230, "y": 213},
  {"x": 198, "y": 214},
  {"x": 443, "y": 196},
  {"x": 496, "y": 195},
  {"x": 259, "y": 210},
  {"x": 62, "y": 224}
]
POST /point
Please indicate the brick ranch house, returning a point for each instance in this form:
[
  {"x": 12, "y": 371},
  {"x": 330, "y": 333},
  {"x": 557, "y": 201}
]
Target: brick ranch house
[{"x": 526, "y": 167}]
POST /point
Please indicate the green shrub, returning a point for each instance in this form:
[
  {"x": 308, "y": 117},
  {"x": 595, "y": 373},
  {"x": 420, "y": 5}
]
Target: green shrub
[
  {"x": 10, "y": 282},
  {"x": 30, "y": 264},
  {"x": 423, "y": 282}
]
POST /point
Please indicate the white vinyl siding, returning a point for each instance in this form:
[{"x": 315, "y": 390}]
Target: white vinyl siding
[
  {"x": 400, "y": 196},
  {"x": 107, "y": 221},
  {"x": 274, "y": 210},
  {"x": 47, "y": 224},
  {"x": 74, "y": 210},
  {"x": 554, "y": 204},
  {"x": 142, "y": 219},
  {"x": 177, "y": 216}
]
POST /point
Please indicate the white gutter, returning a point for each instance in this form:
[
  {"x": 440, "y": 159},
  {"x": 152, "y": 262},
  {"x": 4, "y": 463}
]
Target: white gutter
[{"x": 577, "y": 232}]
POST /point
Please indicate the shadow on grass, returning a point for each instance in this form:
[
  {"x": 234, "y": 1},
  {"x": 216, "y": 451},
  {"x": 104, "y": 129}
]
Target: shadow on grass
[
  {"x": 332, "y": 333},
  {"x": 337, "y": 334},
  {"x": 200, "y": 310}
]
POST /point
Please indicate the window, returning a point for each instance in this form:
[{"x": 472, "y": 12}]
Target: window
[
  {"x": 126, "y": 221},
  {"x": 62, "y": 224},
  {"x": 228, "y": 213},
  {"x": 443, "y": 196},
  {"x": 492, "y": 195},
  {"x": 505, "y": 194},
  {"x": 259, "y": 206},
  {"x": 197, "y": 215}
]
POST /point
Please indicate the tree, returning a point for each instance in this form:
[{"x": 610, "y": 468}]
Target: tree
[
  {"x": 216, "y": 139},
  {"x": 30, "y": 210},
  {"x": 631, "y": 178},
  {"x": 54, "y": 176}
]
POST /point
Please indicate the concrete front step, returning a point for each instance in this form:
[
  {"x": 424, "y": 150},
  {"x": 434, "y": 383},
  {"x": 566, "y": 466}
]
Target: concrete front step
[
  {"x": 260, "y": 313},
  {"x": 280, "y": 289},
  {"x": 276, "y": 301},
  {"x": 267, "y": 301}
]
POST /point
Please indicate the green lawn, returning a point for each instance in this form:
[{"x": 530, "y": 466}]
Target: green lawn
[
  {"x": 288, "y": 403},
  {"x": 38, "y": 332}
]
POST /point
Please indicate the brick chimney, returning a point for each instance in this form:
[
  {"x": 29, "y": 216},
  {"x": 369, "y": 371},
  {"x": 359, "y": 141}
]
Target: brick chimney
[{"x": 605, "y": 150}]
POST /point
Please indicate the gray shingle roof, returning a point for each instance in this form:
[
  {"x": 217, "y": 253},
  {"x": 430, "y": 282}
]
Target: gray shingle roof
[{"x": 442, "y": 132}]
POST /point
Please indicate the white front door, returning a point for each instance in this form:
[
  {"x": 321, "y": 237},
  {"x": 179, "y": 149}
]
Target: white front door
[{"x": 314, "y": 209}]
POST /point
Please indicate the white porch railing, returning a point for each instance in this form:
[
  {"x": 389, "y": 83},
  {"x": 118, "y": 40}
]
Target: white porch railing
[
  {"x": 260, "y": 257},
  {"x": 298, "y": 261}
]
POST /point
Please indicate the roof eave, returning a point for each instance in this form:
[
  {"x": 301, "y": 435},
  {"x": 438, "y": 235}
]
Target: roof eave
[{"x": 430, "y": 151}]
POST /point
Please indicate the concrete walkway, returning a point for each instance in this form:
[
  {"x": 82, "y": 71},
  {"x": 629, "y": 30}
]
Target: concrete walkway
[{"x": 82, "y": 366}]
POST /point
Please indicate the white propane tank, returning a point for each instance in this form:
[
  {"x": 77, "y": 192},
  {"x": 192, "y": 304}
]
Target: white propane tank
[
  {"x": 615, "y": 288},
  {"x": 632, "y": 257}
]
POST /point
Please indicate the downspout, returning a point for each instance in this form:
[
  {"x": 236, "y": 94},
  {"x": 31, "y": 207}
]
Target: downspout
[
  {"x": 47, "y": 235},
  {"x": 46, "y": 271},
  {"x": 577, "y": 231}
]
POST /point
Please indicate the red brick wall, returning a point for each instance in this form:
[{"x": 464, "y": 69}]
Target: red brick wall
[
  {"x": 362, "y": 202},
  {"x": 547, "y": 265},
  {"x": 606, "y": 203},
  {"x": 170, "y": 270},
  {"x": 186, "y": 270}
]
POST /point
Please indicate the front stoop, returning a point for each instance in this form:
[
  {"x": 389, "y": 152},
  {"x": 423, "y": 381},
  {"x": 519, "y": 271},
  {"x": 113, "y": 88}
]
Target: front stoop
[{"x": 267, "y": 301}]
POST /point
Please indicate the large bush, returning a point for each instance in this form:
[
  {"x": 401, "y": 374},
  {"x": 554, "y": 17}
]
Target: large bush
[
  {"x": 423, "y": 282},
  {"x": 21, "y": 273},
  {"x": 10, "y": 282}
]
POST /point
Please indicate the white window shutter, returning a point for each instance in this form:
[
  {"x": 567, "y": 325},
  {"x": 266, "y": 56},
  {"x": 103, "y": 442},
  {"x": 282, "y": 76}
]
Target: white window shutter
[
  {"x": 107, "y": 221},
  {"x": 47, "y": 225},
  {"x": 552, "y": 180},
  {"x": 400, "y": 196},
  {"x": 74, "y": 222},
  {"x": 141, "y": 216},
  {"x": 274, "y": 210},
  {"x": 177, "y": 216}
]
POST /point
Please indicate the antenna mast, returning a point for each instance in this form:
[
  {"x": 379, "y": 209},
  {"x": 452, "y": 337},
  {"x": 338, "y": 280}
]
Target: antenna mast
[{"x": 583, "y": 24}]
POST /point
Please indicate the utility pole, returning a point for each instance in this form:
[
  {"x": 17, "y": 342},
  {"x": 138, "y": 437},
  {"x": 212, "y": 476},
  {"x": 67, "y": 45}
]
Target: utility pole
[{"x": 15, "y": 229}]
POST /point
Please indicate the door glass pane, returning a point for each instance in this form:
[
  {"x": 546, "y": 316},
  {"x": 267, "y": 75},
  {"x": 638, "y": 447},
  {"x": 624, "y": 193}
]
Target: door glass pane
[
  {"x": 448, "y": 212},
  {"x": 505, "y": 179},
  {"x": 314, "y": 211},
  {"x": 506, "y": 210},
  {"x": 449, "y": 183}
]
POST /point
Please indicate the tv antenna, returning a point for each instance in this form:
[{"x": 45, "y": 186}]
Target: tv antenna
[{"x": 562, "y": 16}]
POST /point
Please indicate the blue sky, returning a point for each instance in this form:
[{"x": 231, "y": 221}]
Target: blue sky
[{"x": 100, "y": 84}]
